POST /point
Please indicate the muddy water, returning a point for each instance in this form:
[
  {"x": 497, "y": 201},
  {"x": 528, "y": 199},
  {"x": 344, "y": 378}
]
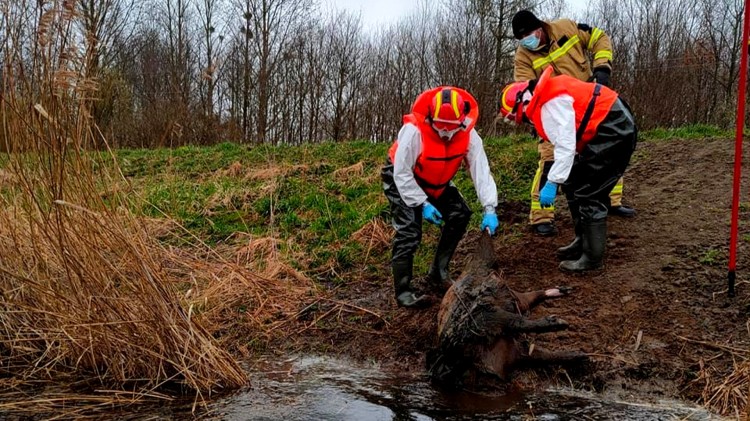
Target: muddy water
[{"x": 314, "y": 388}]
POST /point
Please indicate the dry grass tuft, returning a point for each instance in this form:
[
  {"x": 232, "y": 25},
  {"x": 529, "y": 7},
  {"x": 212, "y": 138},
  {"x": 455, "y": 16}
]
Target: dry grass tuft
[
  {"x": 356, "y": 170},
  {"x": 263, "y": 256},
  {"x": 258, "y": 249},
  {"x": 722, "y": 393},
  {"x": 375, "y": 235},
  {"x": 273, "y": 172},
  {"x": 248, "y": 295},
  {"x": 234, "y": 170},
  {"x": 725, "y": 394},
  {"x": 85, "y": 292}
]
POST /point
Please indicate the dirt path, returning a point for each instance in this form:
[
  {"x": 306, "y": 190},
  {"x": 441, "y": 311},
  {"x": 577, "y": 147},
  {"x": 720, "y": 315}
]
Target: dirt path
[
  {"x": 664, "y": 276},
  {"x": 643, "y": 316}
]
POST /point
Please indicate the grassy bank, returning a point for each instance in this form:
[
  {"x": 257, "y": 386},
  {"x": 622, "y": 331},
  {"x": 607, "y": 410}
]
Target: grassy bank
[{"x": 314, "y": 198}]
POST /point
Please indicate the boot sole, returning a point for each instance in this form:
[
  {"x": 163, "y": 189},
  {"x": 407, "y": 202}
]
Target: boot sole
[{"x": 580, "y": 272}]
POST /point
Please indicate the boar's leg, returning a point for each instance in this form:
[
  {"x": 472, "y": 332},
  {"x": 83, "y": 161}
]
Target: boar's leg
[
  {"x": 507, "y": 354},
  {"x": 501, "y": 358},
  {"x": 522, "y": 324},
  {"x": 529, "y": 300},
  {"x": 540, "y": 357},
  {"x": 497, "y": 322}
]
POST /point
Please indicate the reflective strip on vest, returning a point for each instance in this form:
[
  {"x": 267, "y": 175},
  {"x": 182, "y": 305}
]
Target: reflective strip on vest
[
  {"x": 556, "y": 54},
  {"x": 603, "y": 54},
  {"x": 617, "y": 189},
  {"x": 595, "y": 35}
]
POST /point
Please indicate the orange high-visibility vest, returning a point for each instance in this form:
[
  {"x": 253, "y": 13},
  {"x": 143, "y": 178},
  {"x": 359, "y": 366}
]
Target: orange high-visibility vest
[
  {"x": 439, "y": 161},
  {"x": 591, "y": 103}
]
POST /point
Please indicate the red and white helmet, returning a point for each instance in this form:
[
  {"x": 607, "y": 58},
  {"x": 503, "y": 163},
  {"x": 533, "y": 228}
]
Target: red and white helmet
[
  {"x": 511, "y": 101},
  {"x": 448, "y": 112}
]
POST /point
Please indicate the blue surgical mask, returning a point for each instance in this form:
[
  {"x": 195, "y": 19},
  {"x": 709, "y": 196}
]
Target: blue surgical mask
[{"x": 530, "y": 42}]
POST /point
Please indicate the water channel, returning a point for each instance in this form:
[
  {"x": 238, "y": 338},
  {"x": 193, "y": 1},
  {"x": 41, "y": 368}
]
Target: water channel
[{"x": 323, "y": 388}]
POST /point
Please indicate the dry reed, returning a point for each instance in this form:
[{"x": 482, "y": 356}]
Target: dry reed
[
  {"x": 85, "y": 290},
  {"x": 724, "y": 393}
]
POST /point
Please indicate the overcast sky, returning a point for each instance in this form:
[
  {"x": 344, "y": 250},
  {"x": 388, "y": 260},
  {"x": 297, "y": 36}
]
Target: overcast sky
[
  {"x": 375, "y": 12},
  {"x": 378, "y": 12}
]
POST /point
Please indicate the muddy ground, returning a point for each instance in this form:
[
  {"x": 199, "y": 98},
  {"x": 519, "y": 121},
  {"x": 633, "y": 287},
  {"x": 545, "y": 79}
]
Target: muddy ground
[{"x": 664, "y": 281}]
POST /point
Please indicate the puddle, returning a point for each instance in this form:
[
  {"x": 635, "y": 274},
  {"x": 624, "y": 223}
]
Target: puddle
[{"x": 322, "y": 388}]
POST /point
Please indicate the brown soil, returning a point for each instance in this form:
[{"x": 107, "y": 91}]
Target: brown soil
[{"x": 664, "y": 281}]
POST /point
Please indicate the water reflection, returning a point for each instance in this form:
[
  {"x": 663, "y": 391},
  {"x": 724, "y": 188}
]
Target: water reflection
[{"x": 314, "y": 388}]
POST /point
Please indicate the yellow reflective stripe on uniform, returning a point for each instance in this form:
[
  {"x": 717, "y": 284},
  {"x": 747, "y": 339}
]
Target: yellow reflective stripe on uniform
[
  {"x": 535, "y": 183},
  {"x": 541, "y": 62},
  {"x": 536, "y": 206},
  {"x": 603, "y": 54},
  {"x": 454, "y": 103},
  {"x": 556, "y": 54},
  {"x": 595, "y": 35},
  {"x": 617, "y": 189}
]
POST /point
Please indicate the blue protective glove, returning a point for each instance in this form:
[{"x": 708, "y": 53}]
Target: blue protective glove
[
  {"x": 489, "y": 221},
  {"x": 431, "y": 214},
  {"x": 547, "y": 194}
]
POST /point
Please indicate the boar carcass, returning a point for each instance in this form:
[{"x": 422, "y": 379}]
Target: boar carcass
[{"x": 481, "y": 324}]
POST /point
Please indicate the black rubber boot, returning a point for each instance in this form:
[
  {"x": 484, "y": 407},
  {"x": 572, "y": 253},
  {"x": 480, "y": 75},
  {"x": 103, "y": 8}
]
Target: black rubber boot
[
  {"x": 439, "y": 274},
  {"x": 402, "y": 274},
  {"x": 545, "y": 229},
  {"x": 573, "y": 250},
  {"x": 622, "y": 211},
  {"x": 594, "y": 240}
]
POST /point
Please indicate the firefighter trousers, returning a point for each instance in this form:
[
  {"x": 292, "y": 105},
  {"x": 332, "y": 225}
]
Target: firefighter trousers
[{"x": 537, "y": 215}]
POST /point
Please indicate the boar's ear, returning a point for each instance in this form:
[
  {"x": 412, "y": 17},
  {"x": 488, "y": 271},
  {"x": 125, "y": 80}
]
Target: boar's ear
[{"x": 485, "y": 252}]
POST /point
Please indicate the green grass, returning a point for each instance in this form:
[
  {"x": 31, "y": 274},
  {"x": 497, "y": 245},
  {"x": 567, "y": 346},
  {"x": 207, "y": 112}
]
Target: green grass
[
  {"x": 711, "y": 257},
  {"x": 304, "y": 200},
  {"x": 694, "y": 131},
  {"x": 295, "y": 194}
]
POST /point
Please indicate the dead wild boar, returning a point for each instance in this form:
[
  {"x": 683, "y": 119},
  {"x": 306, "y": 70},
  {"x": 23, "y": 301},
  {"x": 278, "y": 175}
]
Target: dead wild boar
[{"x": 481, "y": 322}]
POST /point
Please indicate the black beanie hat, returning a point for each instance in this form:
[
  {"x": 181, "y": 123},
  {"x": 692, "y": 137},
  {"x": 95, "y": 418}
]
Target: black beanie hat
[{"x": 524, "y": 22}]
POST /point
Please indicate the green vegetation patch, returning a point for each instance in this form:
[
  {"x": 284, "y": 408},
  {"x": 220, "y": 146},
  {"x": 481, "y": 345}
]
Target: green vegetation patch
[{"x": 317, "y": 196}]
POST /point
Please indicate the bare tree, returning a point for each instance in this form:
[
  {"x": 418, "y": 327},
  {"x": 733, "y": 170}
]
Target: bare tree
[
  {"x": 344, "y": 50},
  {"x": 274, "y": 23}
]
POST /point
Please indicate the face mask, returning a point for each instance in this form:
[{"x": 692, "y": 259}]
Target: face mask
[
  {"x": 531, "y": 42},
  {"x": 446, "y": 134}
]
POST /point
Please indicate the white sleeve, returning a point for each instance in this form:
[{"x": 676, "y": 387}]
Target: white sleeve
[
  {"x": 479, "y": 168},
  {"x": 408, "y": 150},
  {"x": 559, "y": 123}
]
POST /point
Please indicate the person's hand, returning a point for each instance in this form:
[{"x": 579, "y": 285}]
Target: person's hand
[
  {"x": 489, "y": 222},
  {"x": 547, "y": 194},
  {"x": 601, "y": 76},
  {"x": 431, "y": 214}
]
